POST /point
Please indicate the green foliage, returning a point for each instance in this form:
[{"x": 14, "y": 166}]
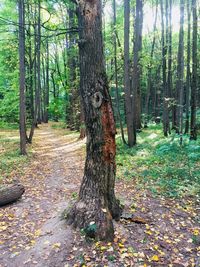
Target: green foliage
[
  {"x": 161, "y": 164},
  {"x": 56, "y": 109}
]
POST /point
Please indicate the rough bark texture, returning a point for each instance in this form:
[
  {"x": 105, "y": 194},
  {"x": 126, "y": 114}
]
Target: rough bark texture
[
  {"x": 10, "y": 193},
  {"x": 96, "y": 204}
]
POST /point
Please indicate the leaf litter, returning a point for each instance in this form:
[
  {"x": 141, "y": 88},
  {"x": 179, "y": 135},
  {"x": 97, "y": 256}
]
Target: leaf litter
[{"x": 153, "y": 231}]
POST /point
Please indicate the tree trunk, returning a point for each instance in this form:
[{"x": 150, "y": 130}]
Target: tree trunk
[
  {"x": 128, "y": 97},
  {"x": 188, "y": 67},
  {"x": 180, "y": 71},
  {"x": 164, "y": 69},
  {"x": 169, "y": 74},
  {"x": 22, "y": 107},
  {"x": 10, "y": 193},
  {"x": 96, "y": 205},
  {"x": 136, "y": 63},
  {"x": 116, "y": 72},
  {"x": 149, "y": 75},
  {"x": 38, "y": 64},
  {"x": 46, "y": 100},
  {"x": 193, "y": 130}
]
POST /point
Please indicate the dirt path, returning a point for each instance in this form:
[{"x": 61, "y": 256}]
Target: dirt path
[
  {"x": 31, "y": 229},
  {"x": 166, "y": 232}
]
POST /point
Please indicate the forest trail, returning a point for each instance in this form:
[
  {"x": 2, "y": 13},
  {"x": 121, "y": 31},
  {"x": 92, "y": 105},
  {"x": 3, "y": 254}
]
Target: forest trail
[
  {"x": 51, "y": 180},
  {"x": 163, "y": 232}
]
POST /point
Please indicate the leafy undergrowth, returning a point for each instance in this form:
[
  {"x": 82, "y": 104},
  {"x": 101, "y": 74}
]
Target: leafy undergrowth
[
  {"x": 155, "y": 230},
  {"x": 11, "y": 163},
  {"x": 160, "y": 164}
]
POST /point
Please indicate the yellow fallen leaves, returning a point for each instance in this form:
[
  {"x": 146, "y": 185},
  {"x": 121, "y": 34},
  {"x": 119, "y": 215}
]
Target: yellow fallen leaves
[
  {"x": 195, "y": 232},
  {"x": 56, "y": 245},
  {"x": 155, "y": 258}
]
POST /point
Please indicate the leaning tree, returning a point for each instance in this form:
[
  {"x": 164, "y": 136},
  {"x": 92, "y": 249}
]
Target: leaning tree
[{"x": 96, "y": 205}]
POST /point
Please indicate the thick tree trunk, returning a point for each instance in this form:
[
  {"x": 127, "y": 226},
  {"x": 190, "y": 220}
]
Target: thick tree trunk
[
  {"x": 96, "y": 205},
  {"x": 10, "y": 193}
]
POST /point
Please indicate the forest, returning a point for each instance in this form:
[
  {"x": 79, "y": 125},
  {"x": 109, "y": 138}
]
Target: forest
[{"x": 99, "y": 133}]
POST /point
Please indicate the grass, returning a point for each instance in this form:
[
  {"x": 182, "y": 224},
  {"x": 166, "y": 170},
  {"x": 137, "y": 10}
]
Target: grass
[
  {"x": 160, "y": 164},
  {"x": 11, "y": 162}
]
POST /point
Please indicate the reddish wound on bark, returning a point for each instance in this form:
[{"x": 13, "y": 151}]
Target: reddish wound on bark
[{"x": 108, "y": 124}]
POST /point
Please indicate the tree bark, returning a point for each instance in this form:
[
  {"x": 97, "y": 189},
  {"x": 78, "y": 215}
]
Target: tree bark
[
  {"x": 116, "y": 72},
  {"x": 128, "y": 96},
  {"x": 193, "y": 129},
  {"x": 137, "y": 48},
  {"x": 188, "y": 67},
  {"x": 180, "y": 71},
  {"x": 22, "y": 107},
  {"x": 10, "y": 193},
  {"x": 164, "y": 69},
  {"x": 97, "y": 204}
]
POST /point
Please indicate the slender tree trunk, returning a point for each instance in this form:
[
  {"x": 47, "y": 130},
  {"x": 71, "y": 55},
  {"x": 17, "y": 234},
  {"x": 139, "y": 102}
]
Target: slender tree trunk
[
  {"x": 39, "y": 63},
  {"x": 96, "y": 205},
  {"x": 46, "y": 100},
  {"x": 193, "y": 130},
  {"x": 22, "y": 107},
  {"x": 180, "y": 71},
  {"x": 136, "y": 63},
  {"x": 169, "y": 75},
  {"x": 149, "y": 75},
  {"x": 164, "y": 72},
  {"x": 116, "y": 73},
  {"x": 127, "y": 89},
  {"x": 188, "y": 67}
]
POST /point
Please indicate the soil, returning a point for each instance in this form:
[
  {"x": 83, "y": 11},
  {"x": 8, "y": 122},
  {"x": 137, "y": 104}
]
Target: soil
[{"x": 153, "y": 231}]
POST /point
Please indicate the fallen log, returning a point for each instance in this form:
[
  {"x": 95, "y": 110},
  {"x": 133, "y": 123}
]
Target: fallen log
[{"x": 10, "y": 193}]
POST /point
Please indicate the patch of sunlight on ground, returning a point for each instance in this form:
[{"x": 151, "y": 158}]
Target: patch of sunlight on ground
[
  {"x": 142, "y": 153},
  {"x": 152, "y": 136}
]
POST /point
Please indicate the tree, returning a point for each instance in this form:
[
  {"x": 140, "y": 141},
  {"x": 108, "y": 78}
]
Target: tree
[
  {"x": 116, "y": 71},
  {"x": 188, "y": 66},
  {"x": 193, "y": 130},
  {"x": 96, "y": 204},
  {"x": 180, "y": 71},
  {"x": 22, "y": 116},
  {"x": 137, "y": 49},
  {"x": 128, "y": 96},
  {"x": 164, "y": 71}
]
